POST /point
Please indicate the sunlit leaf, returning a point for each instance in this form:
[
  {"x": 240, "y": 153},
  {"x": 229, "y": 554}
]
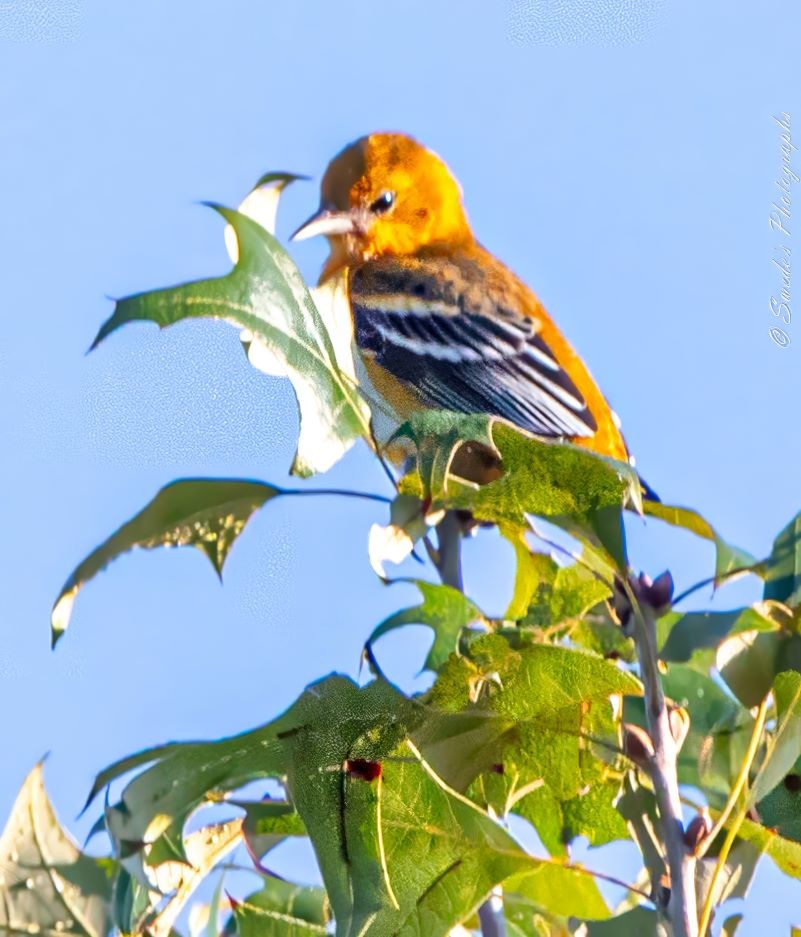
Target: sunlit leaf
[
  {"x": 261, "y": 205},
  {"x": 47, "y": 885},
  {"x": 204, "y": 849},
  {"x": 531, "y": 570},
  {"x": 563, "y": 677},
  {"x": 552, "y": 706},
  {"x": 442, "y": 856},
  {"x": 570, "y": 594},
  {"x": 208, "y": 514},
  {"x": 393, "y": 542}
]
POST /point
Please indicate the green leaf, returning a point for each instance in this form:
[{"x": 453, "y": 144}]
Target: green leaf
[
  {"x": 559, "y": 820},
  {"x": 528, "y": 681},
  {"x": 193, "y": 773},
  {"x": 265, "y": 294},
  {"x": 780, "y": 810},
  {"x": 205, "y": 513},
  {"x": 750, "y": 660},
  {"x": 47, "y": 884},
  {"x": 459, "y": 746},
  {"x": 784, "y": 744},
  {"x": 696, "y": 631},
  {"x": 268, "y": 823},
  {"x": 728, "y": 558},
  {"x": 785, "y": 853},
  {"x": 636, "y": 921},
  {"x": 524, "y": 918},
  {"x": 570, "y": 594},
  {"x": 124, "y": 765},
  {"x": 444, "y": 856},
  {"x": 592, "y": 814},
  {"x": 457, "y": 466},
  {"x": 132, "y": 903},
  {"x": 282, "y": 909},
  {"x": 445, "y": 610},
  {"x": 783, "y": 566},
  {"x": 532, "y": 570},
  {"x": 400, "y": 851},
  {"x": 552, "y": 712}
]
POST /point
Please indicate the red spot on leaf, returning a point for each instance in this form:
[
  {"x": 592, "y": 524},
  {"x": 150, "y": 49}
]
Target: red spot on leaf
[{"x": 362, "y": 769}]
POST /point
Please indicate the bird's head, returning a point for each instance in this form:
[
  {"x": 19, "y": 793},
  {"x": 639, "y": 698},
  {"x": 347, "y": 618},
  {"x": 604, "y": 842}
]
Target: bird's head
[{"x": 386, "y": 194}]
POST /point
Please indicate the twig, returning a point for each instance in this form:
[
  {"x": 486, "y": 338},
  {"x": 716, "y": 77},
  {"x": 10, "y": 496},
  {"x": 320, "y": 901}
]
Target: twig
[
  {"x": 681, "y": 907},
  {"x": 720, "y": 865},
  {"x": 448, "y": 561},
  {"x": 449, "y": 551}
]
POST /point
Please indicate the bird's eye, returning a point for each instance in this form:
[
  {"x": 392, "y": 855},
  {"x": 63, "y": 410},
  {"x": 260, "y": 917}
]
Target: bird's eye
[{"x": 383, "y": 203}]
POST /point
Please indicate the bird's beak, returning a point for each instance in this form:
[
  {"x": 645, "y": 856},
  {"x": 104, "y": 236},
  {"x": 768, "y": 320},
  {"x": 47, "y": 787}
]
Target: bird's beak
[{"x": 327, "y": 222}]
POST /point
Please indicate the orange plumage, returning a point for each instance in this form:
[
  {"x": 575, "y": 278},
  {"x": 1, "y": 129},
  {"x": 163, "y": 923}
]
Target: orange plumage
[{"x": 439, "y": 321}]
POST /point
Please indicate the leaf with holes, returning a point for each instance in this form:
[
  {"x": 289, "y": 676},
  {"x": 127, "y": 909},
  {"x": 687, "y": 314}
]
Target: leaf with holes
[{"x": 500, "y": 475}]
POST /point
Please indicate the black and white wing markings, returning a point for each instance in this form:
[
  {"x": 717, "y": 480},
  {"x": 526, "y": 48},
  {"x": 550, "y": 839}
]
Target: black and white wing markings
[{"x": 462, "y": 360}]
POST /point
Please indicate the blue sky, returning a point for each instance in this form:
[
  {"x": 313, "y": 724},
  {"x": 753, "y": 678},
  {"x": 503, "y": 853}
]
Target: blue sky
[{"x": 629, "y": 184}]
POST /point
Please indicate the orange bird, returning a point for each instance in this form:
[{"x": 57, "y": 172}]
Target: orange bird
[{"x": 439, "y": 321}]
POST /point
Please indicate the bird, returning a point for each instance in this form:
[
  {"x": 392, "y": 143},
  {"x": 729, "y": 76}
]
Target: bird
[{"x": 439, "y": 321}]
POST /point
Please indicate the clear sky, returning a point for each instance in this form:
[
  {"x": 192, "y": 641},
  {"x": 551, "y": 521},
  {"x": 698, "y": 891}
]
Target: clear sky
[{"x": 628, "y": 178}]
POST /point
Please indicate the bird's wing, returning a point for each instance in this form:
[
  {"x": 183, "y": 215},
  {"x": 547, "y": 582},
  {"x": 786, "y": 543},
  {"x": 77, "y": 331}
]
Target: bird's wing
[{"x": 461, "y": 350}]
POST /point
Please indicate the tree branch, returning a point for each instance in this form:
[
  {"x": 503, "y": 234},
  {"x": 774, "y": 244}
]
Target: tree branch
[
  {"x": 681, "y": 907},
  {"x": 449, "y": 566}
]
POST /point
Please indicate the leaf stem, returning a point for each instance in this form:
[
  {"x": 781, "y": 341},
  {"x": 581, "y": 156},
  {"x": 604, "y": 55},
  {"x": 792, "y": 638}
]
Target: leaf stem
[
  {"x": 681, "y": 907},
  {"x": 715, "y": 581},
  {"x": 740, "y": 782},
  {"x": 337, "y": 492}
]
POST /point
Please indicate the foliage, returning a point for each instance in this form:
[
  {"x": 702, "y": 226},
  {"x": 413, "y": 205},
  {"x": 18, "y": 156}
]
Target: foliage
[{"x": 410, "y": 802}]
